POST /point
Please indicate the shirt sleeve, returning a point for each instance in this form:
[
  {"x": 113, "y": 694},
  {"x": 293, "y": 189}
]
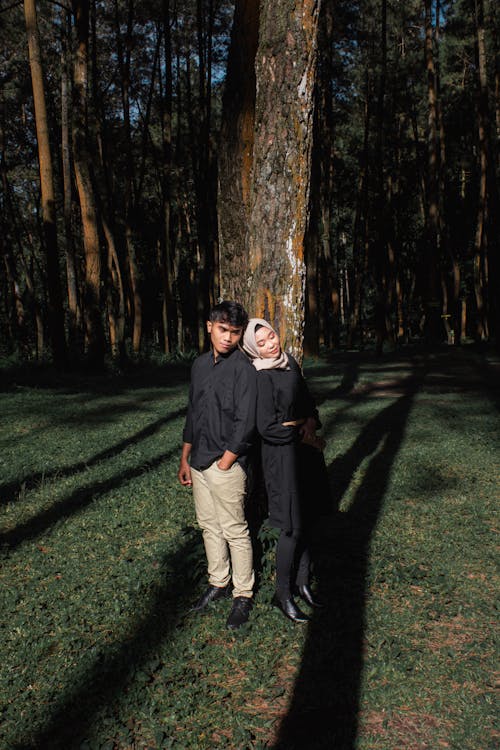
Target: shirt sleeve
[
  {"x": 305, "y": 406},
  {"x": 244, "y": 400},
  {"x": 268, "y": 424}
]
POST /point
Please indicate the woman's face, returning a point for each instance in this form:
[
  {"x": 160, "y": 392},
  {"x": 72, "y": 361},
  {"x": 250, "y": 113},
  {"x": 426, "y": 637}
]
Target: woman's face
[{"x": 268, "y": 343}]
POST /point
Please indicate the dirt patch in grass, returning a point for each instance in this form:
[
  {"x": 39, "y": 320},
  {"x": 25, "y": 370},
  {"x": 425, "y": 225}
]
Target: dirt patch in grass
[
  {"x": 406, "y": 730},
  {"x": 456, "y": 633}
]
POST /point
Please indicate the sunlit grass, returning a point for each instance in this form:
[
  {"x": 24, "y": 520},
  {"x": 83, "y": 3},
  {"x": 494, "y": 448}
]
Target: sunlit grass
[{"x": 101, "y": 560}]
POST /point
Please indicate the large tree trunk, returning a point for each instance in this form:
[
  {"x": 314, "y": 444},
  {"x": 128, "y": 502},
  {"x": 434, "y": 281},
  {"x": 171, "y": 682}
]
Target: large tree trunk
[
  {"x": 285, "y": 71},
  {"x": 271, "y": 198},
  {"x": 56, "y": 312},
  {"x": 82, "y": 160}
]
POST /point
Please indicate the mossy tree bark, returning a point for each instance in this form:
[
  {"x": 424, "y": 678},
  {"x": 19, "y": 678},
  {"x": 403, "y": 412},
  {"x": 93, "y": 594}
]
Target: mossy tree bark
[{"x": 272, "y": 282}]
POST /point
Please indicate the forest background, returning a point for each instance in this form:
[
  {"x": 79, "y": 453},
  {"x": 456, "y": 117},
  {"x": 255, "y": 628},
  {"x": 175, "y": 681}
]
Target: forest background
[{"x": 334, "y": 164}]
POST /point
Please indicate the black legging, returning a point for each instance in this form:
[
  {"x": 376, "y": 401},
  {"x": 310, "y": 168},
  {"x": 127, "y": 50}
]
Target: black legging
[{"x": 291, "y": 555}]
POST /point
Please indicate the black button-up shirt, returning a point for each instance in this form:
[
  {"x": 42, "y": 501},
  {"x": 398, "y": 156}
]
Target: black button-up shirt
[{"x": 221, "y": 408}]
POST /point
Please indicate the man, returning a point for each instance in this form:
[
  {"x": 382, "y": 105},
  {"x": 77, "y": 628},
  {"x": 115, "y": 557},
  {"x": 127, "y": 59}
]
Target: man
[{"x": 216, "y": 439}]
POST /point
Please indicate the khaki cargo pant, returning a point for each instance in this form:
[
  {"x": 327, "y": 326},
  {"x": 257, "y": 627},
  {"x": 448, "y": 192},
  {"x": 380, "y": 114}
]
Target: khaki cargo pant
[{"x": 219, "y": 498}]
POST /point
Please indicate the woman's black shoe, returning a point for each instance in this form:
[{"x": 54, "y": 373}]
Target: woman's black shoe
[
  {"x": 308, "y": 597},
  {"x": 290, "y": 609}
]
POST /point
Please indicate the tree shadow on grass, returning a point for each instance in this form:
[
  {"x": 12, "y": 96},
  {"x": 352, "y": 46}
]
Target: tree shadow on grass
[
  {"x": 77, "y": 501},
  {"x": 11, "y": 491},
  {"x": 67, "y": 727},
  {"x": 324, "y": 709},
  {"x": 146, "y": 375}
]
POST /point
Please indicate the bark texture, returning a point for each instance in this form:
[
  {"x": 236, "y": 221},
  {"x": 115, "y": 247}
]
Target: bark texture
[
  {"x": 236, "y": 155},
  {"x": 83, "y": 175},
  {"x": 56, "y": 314},
  {"x": 285, "y": 76}
]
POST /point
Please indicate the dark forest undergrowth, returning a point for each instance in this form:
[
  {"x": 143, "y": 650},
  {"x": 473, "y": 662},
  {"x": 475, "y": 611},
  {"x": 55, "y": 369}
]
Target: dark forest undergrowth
[{"x": 101, "y": 560}]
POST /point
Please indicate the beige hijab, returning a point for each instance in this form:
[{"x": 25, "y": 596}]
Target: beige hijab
[{"x": 251, "y": 348}]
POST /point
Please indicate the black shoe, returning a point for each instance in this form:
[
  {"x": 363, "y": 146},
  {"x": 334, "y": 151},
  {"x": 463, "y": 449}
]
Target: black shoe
[
  {"x": 308, "y": 597},
  {"x": 240, "y": 612},
  {"x": 290, "y": 609},
  {"x": 211, "y": 595}
]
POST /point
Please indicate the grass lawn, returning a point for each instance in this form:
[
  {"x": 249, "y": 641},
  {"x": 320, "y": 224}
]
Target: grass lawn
[{"x": 101, "y": 559}]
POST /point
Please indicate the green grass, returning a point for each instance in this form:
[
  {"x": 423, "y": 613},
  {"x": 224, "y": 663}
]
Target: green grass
[{"x": 101, "y": 559}]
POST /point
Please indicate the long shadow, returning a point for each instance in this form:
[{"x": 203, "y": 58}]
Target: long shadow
[
  {"x": 109, "y": 382},
  {"x": 324, "y": 709},
  {"x": 76, "y": 502},
  {"x": 10, "y": 491},
  {"x": 67, "y": 726}
]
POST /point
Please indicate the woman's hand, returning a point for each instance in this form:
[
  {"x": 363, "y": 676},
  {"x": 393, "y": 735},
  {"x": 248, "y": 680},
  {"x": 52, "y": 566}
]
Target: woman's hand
[
  {"x": 308, "y": 430},
  {"x": 308, "y": 434}
]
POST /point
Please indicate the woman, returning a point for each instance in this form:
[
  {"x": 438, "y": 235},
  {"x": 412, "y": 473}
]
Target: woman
[{"x": 286, "y": 417}]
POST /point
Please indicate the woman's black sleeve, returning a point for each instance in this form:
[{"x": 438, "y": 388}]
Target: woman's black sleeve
[
  {"x": 268, "y": 423},
  {"x": 305, "y": 406}
]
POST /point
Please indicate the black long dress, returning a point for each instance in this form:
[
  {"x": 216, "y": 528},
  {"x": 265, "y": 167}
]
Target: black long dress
[{"x": 283, "y": 396}]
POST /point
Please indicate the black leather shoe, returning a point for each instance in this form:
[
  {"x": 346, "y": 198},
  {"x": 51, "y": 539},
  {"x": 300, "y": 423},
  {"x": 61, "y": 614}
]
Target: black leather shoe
[
  {"x": 211, "y": 595},
  {"x": 290, "y": 609},
  {"x": 240, "y": 612},
  {"x": 308, "y": 597}
]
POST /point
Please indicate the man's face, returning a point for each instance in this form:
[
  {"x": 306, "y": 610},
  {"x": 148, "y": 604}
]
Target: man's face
[{"x": 223, "y": 336}]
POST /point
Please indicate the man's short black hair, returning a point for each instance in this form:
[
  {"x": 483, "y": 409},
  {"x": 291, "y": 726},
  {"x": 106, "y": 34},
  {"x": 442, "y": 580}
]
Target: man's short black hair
[{"x": 229, "y": 312}]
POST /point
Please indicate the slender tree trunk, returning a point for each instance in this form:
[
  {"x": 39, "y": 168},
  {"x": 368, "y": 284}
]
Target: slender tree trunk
[
  {"x": 202, "y": 167},
  {"x": 320, "y": 321},
  {"x": 115, "y": 296},
  {"x": 15, "y": 306},
  {"x": 82, "y": 160},
  {"x": 124, "y": 60},
  {"x": 487, "y": 242},
  {"x": 105, "y": 203},
  {"x": 167, "y": 248},
  {"x": 493, "y": 23},
  {"x": 74, "y": 317},
  {"x": 360, "y": 238},
  {"x": 56, "y": 312},
  {"x": 480, "y": 240},
  {"x": 451, "y": 315},
  {"x": 32, "y": 302},
  {"x": 382, "y": 220},
  {"x": 433, "y": 319}
]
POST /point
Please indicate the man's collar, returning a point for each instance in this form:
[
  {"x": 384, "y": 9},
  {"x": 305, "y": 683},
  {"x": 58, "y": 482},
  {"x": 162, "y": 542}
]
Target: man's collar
[{"x": 217, "y": 358}]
